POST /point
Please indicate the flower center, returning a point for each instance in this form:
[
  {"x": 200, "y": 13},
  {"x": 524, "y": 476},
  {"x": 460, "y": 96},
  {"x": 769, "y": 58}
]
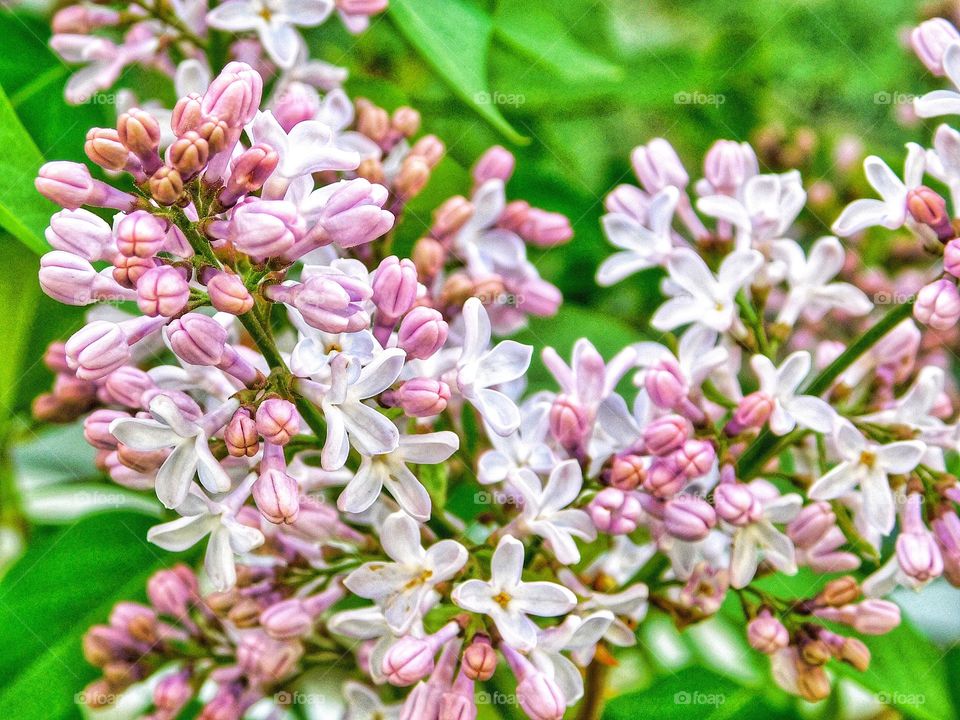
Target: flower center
[
  {"x": 867, "y": 458},
  {"x": 502, "y": 599},
  {"x": 419, "y": 579}
]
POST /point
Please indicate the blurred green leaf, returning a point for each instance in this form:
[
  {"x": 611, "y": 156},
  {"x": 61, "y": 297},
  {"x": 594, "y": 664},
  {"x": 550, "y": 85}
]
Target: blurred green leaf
[
  {"x": 453, "y": 36},
  {"x": 24, "y": 213},
  {"x": 434, "y": 479},
  {"x": 67, "y": 580}
]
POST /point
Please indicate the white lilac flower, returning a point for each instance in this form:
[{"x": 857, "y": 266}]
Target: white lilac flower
[
  {"x": 273, "y": 21},
  {"x": 641, "y": 246},
  {"x": 588, "y": 380},
  {"x": 698, "y": 355},
  {"x": 214, "y": 516},
  {"x": 480, "y": 368},
  {"x": 364, "y": 704},
  {"x": 703, "y": 298},
  {"x": 914, "y": 409},
  {"x": 766, "y": 209},
  {"x": 631, "y": 603},
  {"x": 315, "y": 348},
  {"x": 891, "y": 210},
  {"x": 617, "y": 428},
  {"x": 400, "y": 587},
  {"x": 390, "y": 470},
  {"x": 761, "y": 540},
  {"x": 868, "y": 465},
  {"x": 809, "y": 278},
  {"x": 789, "y": 409},
  {"x": 369, "y": 624},
  {"x": 309, "y": 146},
  {"x": 943, "y": 102},
  {"x": 545, "y": 512},
  {"x": 508, "y": 600},
  {"x": 191, "y": 454},
  {"x": 349, "y": 419},
  {"x": 525, "y": 447},
  {"x": 577, "y": 635}
]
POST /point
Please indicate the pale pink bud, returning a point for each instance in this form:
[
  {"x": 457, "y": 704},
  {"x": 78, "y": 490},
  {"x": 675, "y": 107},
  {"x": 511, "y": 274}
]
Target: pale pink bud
[
  {"x": 422, "y": 333},
  {"x": 917, "y": 553},
  {"x": 266, "y": 228},
  {"x": 277, "y": 420},
  {"x": 540, "y": 697},
  {"x": 394, "y": 287},
  {"x": 82, "y": 233},
  {"x": 139, "y": 131},
  {"x": 197, "y": 339},
  {"x": 420, "y": 397},
  {"x": 628, "y": 200},
  {"x": 172, "y": 591},
  {"x": 737, "y": 504},
  {"x": 101, "y": 347},
  {"x": 141, "y": 234},
  {"x": 767, "y": 634},
  {"x": 96, "y": 428},
  {"x": 128, "y": 271},
  {"x": 173, "y": 692},
  {"x": 249, "y": 172},
  {"x": 928, "y": 208},
  {"x": 546, "y": 229},
  {"x": 408, "y": 660},
  {"x": 362, "y": 7},
  {"x": 664, "y": 478},
  {"x": 951, "y": 257},
  {"x": 496, "y": 163},
  {"x": 228, "y": 294},
  {"x": 126, "y": 386},
  {"x": 241, "y": 436},
  {"x": 876, "y": 617},
  {"x": 695, "y": 458},
  {"x": 666, "y": 434},
  {"x": 331, "y": 303},
  {"x": 234, "y": 95},
  {"x": 479, "y": 659},
  {"x": 665, "y": 384},
  {"x": 569, "y": 423},
  {"x": 354, "y": 214},
  {"x": 286, "y": 620},
  {"x": 72, "y": 280},
  {"x": 296, "y": 103},
  {"x": 689, "y": 518},
  {"x": 187, "y": 115},
  {"x": 83, "y": 19},
  {"x": 657, "y": 166},
  {"x": 813, "y": 522},
  {"x": 752, "y": 412},
  {"x": 728, "y": 164},
  {"x": 162, "y": 291},
  {"x": 277, "y": 496},
  {"x": 260, "y": 655},
  {"x": 615, "y": 512},
  {"x": 930, "y": 41},
  {"x": 103, "y": 147},
  {"x": 69, "y": 185},
  {"x": 938, "y": 305}
]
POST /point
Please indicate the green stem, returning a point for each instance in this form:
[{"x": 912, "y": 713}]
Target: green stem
[{"x": 769, "y": 445}]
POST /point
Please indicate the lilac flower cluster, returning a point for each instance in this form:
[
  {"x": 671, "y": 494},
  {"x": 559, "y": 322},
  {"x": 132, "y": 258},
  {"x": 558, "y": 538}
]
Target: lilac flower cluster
[{"x": 305, "y": 403}]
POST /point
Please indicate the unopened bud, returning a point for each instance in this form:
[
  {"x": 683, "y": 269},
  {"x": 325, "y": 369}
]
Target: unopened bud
[{"x": 166, "y": 185}]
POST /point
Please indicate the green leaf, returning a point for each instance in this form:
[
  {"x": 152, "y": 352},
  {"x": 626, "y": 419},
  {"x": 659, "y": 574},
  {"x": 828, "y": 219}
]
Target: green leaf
[
  {"x": 68, "y": 580},
  {"x": 538, "y": 34},
  {"x": 434, "y": 479},
  {"x": 24, "y": 213},
  {"x": 453, "y": 36},
  {"x": 18, "y": 296},
  {"x": 691, "y": 692}
]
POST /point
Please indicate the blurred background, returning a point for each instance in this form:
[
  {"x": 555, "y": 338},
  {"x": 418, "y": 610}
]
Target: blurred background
[{"x": 570, "y": 87}]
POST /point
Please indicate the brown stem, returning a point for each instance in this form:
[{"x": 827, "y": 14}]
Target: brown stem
[{"x": 593, "y": 691}]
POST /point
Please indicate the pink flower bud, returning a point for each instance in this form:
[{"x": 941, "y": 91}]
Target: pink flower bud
[
  {"x": 408, "y": 660},
  {"x": 96, "y": 428},
  {"x": 496, "y": 163},
  {"x": 665, "y": 384},
  {"x": 689, "y": 518},
  {"x": 626, "y": 472},
  {"x": 197, "y": 339},
  {"x": 82, "y": 233},
  {"x": 540, "y": 697},
  {"x": 875, "y": 617},
  {"x": 666, "y": 434},
  {"x": 938, "y": 305},
  {"x": 628, "y": 200},
  {"x": 241, "y": 436},
  {"x": 296, "y": 103},
  {"x": 330, "y": 302},
  {"x": 422, "y": 333},
  {"x": 917, "y": 553},
  {"x": 277, "y": 496},
  {"x": 569, "y": 423},
  {"x": 173, "y": 591},
  {"x": 72, "y": 280},
  {"x": 728, "y": 165},
  {"x": 69, "y": 185},
  {"x": 538, "y": 297},
  {"x": 354, "y": 214},
  {"x": 695, "y": 458},
  {"x": 737, "y": 504},
  {"x": 286, "y": 620},
  {"x": 394, "y": 287},
  {"x": 657, "y": 166},
  {"x": 928, "y": 208},
  {"x": 101, "y": 347},
  {"x": 266, "y": 228},
  {"x": 277, "y": 420},
  {"x": 664, "y": 477},
  {"x": 162, "y": 291},
  {"x": 173, "y": 692},
  {"x": 249, "y": 172},
  {"x": 260, "y": 655},
  {"x": 141, "y": 234},
  {"x": 546, "y": 229},
  {"x": 813, "y": 522},
  {"x": 228, "y": 294},
  {"x": 139, "y": 131},
  {"x": 83, "y": 19},
  {"x": 752, "y": 412},
  {"x": 479, "y": 659},
  {"x": 126, "y": 386},
  {"x": 421, "y": 397},
  {"x": 234, "y": 95},
  {"x": 615, "y": 512},
  {"x": 951, "y": 257},
  {"x": 187, "y": 115},
  {"x": 930, "y": 41},
  {"x": 767, "y": 634}
]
